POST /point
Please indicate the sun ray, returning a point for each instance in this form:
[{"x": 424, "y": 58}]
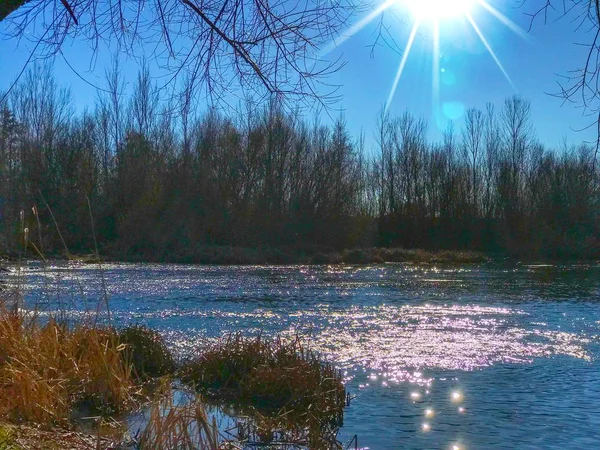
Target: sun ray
[
  {"x": 505, "y": 20},
  {"x": 409, "y": 44},
  {"x": 357, "y": 26},
  {"x": 433, "y": 12},
  {"x": 436, "y": 64},
  {"x": 490, "y": 49}
]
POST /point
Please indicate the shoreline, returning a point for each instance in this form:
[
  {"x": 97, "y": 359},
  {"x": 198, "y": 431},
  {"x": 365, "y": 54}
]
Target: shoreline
[
  {"x": 246, "y": 256},
  {"x": 231, "y": 255}
]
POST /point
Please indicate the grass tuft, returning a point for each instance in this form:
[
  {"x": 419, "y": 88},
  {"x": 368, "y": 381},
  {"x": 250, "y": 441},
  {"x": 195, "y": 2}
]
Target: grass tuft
[
  {"x": 278, "y": 378},
  {"x": 147, "y": 352}
]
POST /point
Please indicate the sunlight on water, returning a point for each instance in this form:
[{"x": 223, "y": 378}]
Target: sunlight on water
[
  {"x": 441, "y": 356},
  {"x": 390, "y": 339}
]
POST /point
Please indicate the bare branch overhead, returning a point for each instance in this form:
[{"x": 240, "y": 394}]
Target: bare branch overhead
[{"x": 260, "y": 48}]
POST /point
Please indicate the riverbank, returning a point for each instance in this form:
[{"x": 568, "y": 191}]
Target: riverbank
[
  {"x": 226, "y": 255},
  {"x": 230, "y": 255},
  {"x": 56, "y": 374},
  {"x": 26, "y": 437},
  {"x": 263, "y": 255}
]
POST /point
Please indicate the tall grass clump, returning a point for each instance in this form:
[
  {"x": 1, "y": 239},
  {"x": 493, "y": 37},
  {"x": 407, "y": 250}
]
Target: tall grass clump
[
  {"x": 147, "y": 352},
  {"x": 48, "y": 370},
  {"x": 285, "y": 382}
]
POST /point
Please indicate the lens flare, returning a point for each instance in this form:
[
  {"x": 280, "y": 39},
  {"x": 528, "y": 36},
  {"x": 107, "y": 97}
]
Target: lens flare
[
  {"x": 433, "y": 13},
  {"x": 411, "y": 40}
]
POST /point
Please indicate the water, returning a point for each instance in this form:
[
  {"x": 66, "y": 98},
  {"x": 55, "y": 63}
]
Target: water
[{"x": 493, "y": 356}]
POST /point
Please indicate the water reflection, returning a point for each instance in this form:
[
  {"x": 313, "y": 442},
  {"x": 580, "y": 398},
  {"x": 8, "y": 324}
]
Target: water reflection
[
  {"x": 457, "y": 397},
  {"x": 518, "y": 344}
]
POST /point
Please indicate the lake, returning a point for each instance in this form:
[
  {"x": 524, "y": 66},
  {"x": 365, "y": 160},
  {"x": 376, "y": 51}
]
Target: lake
[{"x": 490, "y": 356}]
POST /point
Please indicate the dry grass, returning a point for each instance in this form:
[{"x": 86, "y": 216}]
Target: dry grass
[
  {"x": 147, "y": 352},
  {"x": 47, "y": 371},
  {"x": 381, "y": 255},
  {"x": 183, "y": 425},
  {"x": 292, "y": 391},
  {"x": 24, "y": 437}
]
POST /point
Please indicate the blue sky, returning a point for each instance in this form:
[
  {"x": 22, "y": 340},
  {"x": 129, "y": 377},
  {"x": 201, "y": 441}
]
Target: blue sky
[{"x": 469, "y": 75}]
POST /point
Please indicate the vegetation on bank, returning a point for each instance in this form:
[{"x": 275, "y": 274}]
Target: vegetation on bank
[
  {"x": 53, "y": 372},
  {"x": 273, "y": 376},
  {"x": 229, "y": 255},
  {"x": 155, "y": 181}
]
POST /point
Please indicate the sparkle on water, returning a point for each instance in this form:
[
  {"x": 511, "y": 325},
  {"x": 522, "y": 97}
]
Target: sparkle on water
[{"x": 411, "y": 340}]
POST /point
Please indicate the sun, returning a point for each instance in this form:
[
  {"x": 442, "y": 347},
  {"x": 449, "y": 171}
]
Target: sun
[
  {"x": 438, "y": 10},
  {"x": 433, "y": 14}
]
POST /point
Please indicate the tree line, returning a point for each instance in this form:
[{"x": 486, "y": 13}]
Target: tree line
[{"x": 141, "y": 177}]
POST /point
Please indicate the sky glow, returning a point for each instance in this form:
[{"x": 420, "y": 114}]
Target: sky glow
[
  {"x": 428, "y": 16},
  {"x": 437, "y": 10}
]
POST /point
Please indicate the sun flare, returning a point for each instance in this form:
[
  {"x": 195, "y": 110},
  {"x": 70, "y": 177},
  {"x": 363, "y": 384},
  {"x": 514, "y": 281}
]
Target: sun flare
[
  {"x": 432, "y": 15},
  {"x": 438, "y": 10}
]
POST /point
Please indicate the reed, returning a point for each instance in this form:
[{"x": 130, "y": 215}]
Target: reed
[
  {"x": 281, "y": 380},
  {"x": 48, "y": 370},
  {"x": 179, "y": 425}
]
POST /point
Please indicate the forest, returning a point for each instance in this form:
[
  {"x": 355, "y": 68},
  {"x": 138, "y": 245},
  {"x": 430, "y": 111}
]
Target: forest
[{"x": 140, "y": 177}]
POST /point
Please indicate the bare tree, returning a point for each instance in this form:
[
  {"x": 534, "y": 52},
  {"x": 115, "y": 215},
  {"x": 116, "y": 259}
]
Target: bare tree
[
  {"x": 581, "y": 85},
  {"x": 473, "y": 135},
  {"x": 241, "y": 47}
]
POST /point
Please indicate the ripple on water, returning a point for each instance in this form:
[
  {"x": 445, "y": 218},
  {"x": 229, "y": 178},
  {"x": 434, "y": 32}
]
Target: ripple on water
[{"x": 519, "y": 345}]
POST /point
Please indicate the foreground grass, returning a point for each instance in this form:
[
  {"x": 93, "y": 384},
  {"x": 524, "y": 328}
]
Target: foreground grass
[
  {"x": 51, "y": 372},
  {"x": 292, "y": 391},
  {"x": 48, "y": 371}
]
